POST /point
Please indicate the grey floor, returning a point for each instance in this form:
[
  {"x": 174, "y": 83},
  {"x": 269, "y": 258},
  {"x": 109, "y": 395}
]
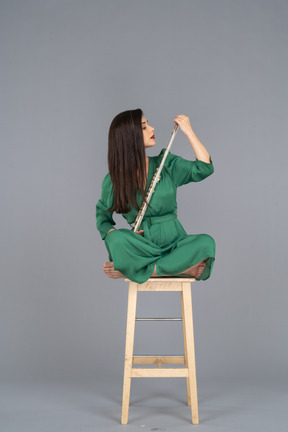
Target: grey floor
[{"x": 156, "y": 405}]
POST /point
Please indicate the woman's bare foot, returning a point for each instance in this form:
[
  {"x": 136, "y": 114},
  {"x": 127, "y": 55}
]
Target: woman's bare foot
[
  {"x": 108, "y": 268},
  {"x": 196, "y": 270}
]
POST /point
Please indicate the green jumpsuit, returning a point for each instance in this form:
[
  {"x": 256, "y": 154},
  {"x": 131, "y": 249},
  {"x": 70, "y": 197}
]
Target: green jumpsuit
[{"x": 165, "y": 242}]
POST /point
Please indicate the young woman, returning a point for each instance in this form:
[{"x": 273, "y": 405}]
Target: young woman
[{"x": 161, "y": 247}]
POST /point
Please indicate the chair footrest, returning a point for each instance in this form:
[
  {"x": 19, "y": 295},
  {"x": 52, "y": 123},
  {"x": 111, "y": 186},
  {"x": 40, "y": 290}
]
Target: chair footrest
[
  {"x": 158, "y": 319},
  {"x": 159, "y": 373},
  {"x": 172, "y": 359}
]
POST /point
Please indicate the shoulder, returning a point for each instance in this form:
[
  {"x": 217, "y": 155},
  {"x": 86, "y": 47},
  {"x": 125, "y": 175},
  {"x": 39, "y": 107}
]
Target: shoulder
[
  {"x": 107, "y": 177},
  {"x": 170, "y": 156},
  {"x": 107, "y": 182}
]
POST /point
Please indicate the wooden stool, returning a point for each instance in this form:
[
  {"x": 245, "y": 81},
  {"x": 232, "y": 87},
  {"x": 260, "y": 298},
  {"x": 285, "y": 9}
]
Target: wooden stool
[{"x": 189, "y": 371}]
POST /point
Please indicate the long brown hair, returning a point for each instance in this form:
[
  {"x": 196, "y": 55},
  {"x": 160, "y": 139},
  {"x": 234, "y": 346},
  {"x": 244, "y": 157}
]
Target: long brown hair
[{"x": 126, "y": 160}]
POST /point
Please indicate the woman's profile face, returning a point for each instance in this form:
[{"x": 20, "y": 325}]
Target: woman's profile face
[{"x": 148, "y": 133}]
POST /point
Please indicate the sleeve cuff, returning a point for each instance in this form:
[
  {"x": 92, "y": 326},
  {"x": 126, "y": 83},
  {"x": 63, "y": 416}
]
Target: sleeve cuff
[
  {"x": 105, "y": 228},
  {"x": 207, "y": 163}
]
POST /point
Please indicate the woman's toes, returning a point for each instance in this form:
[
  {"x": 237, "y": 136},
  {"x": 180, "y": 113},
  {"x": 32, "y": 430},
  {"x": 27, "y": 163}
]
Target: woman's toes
[
  {"x": 200, "y": 269},
  {"x": 108, "y": 267},
  {"x": 111, "y": 272}
]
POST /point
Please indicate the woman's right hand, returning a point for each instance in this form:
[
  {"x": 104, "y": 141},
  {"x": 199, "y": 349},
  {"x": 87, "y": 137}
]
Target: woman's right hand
[{"x": 141, "y": 232}]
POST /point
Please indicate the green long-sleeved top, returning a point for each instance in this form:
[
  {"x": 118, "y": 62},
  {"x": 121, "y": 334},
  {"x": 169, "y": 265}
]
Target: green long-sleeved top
[{"x": 177, "y": 171}]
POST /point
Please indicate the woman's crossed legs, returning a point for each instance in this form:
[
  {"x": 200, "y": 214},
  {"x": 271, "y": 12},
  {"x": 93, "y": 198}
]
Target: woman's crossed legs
[{"x": 194, "y": 271}]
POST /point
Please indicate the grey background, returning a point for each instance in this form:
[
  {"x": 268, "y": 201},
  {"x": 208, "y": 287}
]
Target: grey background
[{"x": 67, "y": 68}]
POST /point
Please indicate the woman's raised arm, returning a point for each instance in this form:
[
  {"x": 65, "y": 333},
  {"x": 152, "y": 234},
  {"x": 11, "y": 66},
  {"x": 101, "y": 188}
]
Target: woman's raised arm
[{"x": 200, "y": 151}]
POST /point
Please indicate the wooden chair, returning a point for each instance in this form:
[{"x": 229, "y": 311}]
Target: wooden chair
[{"x": 189, "y": 371}]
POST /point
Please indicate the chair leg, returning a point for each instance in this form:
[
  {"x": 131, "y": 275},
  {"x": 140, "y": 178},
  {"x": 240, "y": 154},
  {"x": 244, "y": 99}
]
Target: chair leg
[
  {"x": 130, "y": 331},
  {"x": 185, "y": 352},
  {"x": 189, "y": 336}
]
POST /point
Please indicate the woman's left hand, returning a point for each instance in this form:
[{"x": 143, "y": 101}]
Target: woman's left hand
[{"x": 184, "y": 124}]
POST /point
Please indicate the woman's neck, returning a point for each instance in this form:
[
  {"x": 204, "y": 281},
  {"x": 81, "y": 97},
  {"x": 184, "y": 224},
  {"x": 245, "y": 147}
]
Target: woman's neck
[{"x": 147, "y": 166}]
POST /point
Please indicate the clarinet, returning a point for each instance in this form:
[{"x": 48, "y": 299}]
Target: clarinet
[{"x": 154, "y": 181}]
